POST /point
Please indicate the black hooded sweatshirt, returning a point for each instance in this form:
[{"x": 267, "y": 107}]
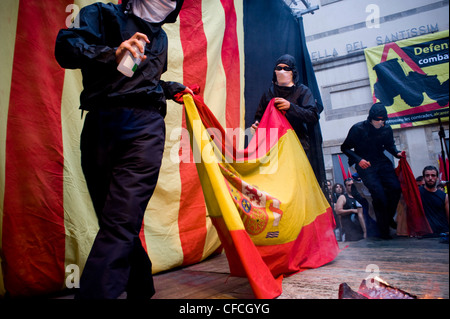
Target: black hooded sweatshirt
[
  {"x": 91, "y": 47},
  {"x": 364, "y": 141},
  {"x": 303, "y": 105}
]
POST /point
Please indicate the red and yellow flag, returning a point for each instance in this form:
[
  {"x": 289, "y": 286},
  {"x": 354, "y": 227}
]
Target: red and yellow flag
[
  {"x": 271, "y": 215},
  {"x": 47, "y": 222}
]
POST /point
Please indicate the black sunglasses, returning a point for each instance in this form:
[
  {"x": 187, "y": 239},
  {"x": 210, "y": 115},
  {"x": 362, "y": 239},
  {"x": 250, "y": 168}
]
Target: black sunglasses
[{"x": 286, "y": 68}]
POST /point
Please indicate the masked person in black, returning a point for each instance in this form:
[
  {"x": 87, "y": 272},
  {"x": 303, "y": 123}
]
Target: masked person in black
[
  {"x": 364, "y": 146},
  {"x": 292, "y": 97},
  {"x": 122, "y": 141}
]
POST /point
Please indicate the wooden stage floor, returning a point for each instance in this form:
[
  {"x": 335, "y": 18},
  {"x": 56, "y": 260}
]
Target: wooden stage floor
[{"x": 417, "y": 266}]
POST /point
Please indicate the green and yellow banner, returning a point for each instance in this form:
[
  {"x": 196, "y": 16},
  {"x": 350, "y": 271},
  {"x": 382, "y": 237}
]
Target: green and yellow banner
[{"x": 410, "y": 77}]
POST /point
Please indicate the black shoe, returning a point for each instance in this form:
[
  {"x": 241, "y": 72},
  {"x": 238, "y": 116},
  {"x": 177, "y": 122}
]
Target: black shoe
[
  {"x": 393, "y": 224},
  {"x": 137, "y": 296},
  {"x": 386, "y": 237}
]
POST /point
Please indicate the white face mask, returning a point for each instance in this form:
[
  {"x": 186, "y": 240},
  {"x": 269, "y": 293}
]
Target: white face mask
[
  {"x": 153, "y": 11},
  {"x": 284, "y": 78}
]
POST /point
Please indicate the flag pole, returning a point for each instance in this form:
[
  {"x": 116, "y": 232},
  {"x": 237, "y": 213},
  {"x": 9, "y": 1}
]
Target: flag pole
[
  {"x": 342, "y": 168},
  {"x": 443, "y": 151}
]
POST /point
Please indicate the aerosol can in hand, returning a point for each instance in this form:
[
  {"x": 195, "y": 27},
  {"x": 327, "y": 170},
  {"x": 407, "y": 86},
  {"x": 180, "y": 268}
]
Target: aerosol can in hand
[{"x": 129, "y": 63}]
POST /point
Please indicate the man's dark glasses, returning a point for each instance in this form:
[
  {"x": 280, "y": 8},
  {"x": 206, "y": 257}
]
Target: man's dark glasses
[{"x": 286, "y": 68}]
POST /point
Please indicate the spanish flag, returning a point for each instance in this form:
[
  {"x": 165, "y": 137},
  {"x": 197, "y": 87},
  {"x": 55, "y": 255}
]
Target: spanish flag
[{"x": 270, "y": 213}]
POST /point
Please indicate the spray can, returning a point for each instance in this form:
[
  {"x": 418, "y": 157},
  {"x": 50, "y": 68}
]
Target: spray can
[{"x": 129, "y": 63}]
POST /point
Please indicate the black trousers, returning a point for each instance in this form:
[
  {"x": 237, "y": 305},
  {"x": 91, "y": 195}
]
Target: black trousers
[
  {"x": 121, "y": 153},
  {"x": 385, "y": 190}
]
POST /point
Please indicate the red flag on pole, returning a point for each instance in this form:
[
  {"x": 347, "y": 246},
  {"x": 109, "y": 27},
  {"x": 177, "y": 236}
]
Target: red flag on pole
[
  {"x": 416, "y": 220},
  {"x": 342, "y": 168},
  {"x": 442, "y": 171}
]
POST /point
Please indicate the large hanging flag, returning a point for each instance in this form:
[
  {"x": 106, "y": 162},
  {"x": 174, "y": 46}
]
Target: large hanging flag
[
  {"x": 265, "y": 202},
  {"x": 47, "y": 222}
]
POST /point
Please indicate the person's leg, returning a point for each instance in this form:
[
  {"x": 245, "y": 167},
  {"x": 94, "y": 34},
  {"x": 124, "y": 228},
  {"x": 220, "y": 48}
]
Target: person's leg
[
  {"x": 140, "y": 282},
  {"x": 96, "y": 160},
  {"x": 135, "y": 154},
  {"x": 373, "y": 181},
  {"x": 392, "y": 190},
  {"x": 362, "y": 223}
]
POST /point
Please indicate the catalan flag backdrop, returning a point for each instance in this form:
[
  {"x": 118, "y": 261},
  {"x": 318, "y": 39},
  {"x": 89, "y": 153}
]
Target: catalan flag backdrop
[{"x": 47, "y": 221}]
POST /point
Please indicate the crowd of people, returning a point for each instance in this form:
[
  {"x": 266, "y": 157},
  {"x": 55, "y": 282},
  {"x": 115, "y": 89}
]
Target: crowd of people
[
  {"x": 365, "y": 146},
  {"x": 354, "y": 212}
]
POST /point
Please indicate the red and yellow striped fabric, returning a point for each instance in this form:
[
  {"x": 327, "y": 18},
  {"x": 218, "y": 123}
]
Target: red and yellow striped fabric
[
  {"x": 46, "y": 217},
  {"x": 270, "y": 213}
]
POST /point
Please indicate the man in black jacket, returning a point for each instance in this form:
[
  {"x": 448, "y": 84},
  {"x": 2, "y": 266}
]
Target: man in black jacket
[
  {"x": 364, "y": 146},
  {"x": 123, "y": 136},
  {"x": 291, "y": 97}
]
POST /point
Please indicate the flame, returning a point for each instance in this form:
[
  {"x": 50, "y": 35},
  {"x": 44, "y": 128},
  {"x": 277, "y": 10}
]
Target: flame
[
  {"x": 432, "y": 291},
  {"x": 427, "y": 296},
  {"x": 378, "y": 288},
  {"x": 381, "y": 280}
]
